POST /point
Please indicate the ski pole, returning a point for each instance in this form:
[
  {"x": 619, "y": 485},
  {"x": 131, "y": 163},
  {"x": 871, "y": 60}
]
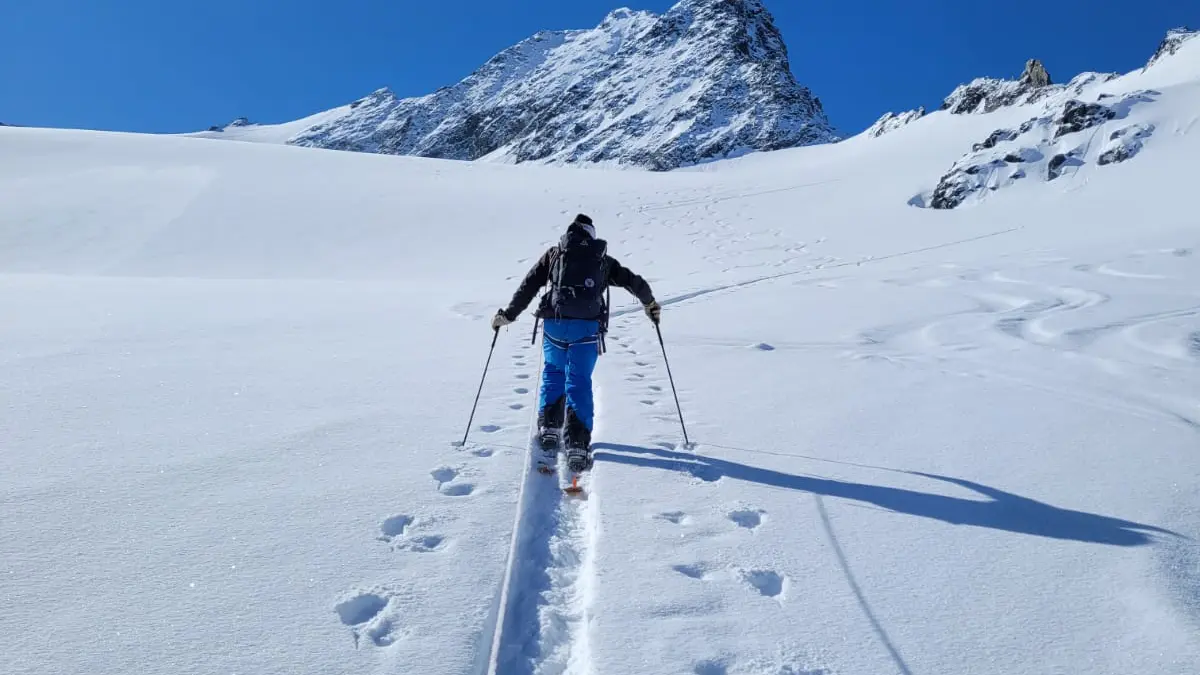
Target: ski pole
[
  {"x": 471, "y": 420},
  {"x": 686, "y": 443}
]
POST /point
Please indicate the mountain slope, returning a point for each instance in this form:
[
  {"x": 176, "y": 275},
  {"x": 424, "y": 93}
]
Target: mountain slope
[{"x": 706, "y": 80}]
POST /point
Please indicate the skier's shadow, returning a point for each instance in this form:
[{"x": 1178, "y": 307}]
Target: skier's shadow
[{"x": 1000, "y": 511}]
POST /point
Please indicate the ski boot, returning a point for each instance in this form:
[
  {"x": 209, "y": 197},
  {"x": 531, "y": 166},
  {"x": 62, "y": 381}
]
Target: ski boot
[
  {"x": 579, "y": 458},
  {"x": 579, "y": 445},
  {"x": 549, "y": 442},
  {"x": 550, "y": 420}
]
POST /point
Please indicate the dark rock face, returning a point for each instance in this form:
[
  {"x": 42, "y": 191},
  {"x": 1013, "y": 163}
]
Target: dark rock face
[
  {"x": 1058, "y": 162},
  {"x": 1117, "y": 154},
  {"x": 1035, "y": 74},
  {"x": 706, "y": 80},
  {"x": 1077, "y": 116},
  {"x": 951, "y": 191},
  {"x": 995, "y": 137}
]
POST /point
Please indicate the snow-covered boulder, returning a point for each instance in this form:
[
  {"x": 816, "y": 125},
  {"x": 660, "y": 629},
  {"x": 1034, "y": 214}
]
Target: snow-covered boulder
[
  {"x": 1077, "y": 116},
  {"x": 1124, "y": 143},
  {"x": 892, "y": 121},
  {"x": 708, "y": 79}
]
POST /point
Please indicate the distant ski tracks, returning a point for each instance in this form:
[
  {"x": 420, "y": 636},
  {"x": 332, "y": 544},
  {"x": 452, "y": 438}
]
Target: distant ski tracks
[{"x": 816, "y": 268}]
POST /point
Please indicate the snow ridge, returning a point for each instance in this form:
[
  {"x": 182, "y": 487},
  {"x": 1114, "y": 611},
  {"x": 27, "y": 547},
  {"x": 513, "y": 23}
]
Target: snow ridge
[
  {"x": 891, "y": 121},
  {"x": 1170, "y": 45},
  {"x": 706, "y": 80},
  {"x": 987, "y": 94}
]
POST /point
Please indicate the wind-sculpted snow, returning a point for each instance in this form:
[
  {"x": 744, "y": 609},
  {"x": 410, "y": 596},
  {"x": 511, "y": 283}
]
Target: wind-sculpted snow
[{"x": 706, "y": 80}]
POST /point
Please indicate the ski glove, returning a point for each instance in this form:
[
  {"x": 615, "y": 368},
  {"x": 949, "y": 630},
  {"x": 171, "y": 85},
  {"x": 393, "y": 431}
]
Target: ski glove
[
  {"x": 654, "y": 311},
  {"x": 500, "y": 320}
]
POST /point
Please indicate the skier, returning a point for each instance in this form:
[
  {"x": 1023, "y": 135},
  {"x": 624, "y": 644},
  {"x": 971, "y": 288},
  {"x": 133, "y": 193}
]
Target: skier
[{"x": 575, "y": 315}]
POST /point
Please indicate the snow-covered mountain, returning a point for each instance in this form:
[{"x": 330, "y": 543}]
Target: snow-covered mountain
[
  {"x": 708, "y": 79},
  {"x": 1175, "y": 39}
]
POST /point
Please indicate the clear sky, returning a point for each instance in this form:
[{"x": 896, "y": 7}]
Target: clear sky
[{"x": 183, "y": 65}]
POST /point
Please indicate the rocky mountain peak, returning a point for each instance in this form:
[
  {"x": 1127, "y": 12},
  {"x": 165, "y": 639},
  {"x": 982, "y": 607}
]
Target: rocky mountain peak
[
  {"x": 1035, "y": 74},
  {"x": 988, "y": 94},
  {"x": 1170, "y": 44},
  {"x": 705, "y": 80}
]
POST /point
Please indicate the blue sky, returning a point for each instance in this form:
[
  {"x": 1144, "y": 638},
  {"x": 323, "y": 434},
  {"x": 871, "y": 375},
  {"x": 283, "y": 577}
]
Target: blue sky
[{"x": 182, "y": 65}]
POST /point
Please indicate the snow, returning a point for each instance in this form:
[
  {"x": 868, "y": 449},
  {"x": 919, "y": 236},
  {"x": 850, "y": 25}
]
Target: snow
[
  {"x": 957, "y": 441},
  {"x": 275, "y": 133}
]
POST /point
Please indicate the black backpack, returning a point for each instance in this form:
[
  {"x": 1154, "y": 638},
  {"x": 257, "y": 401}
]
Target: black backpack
[{"x": 579, "y": 277}]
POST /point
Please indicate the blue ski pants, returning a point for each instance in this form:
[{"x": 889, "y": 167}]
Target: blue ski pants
[{"x": 571, "y": 348}]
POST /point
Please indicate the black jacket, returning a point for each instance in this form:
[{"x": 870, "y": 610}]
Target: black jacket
[{"x": 618, "y": 275}]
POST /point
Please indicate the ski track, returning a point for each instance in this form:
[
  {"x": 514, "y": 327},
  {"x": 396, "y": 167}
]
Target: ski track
[{"x": 542, "y": 626}]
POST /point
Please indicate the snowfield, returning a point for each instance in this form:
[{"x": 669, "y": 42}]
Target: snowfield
[{"x": 927, "y": 441}]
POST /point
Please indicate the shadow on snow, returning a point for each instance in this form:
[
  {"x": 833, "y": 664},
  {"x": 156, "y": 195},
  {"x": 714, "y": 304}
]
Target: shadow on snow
[{"x": 1001, "y": 511}]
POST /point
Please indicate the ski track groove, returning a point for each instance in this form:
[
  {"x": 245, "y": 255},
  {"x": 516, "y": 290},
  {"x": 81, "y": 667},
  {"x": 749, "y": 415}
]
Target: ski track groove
[{"x": 543, "y": 607}]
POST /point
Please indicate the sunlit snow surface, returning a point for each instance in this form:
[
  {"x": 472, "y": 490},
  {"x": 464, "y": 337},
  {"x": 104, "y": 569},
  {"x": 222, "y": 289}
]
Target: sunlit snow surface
[{"x": 927, "y": 442}]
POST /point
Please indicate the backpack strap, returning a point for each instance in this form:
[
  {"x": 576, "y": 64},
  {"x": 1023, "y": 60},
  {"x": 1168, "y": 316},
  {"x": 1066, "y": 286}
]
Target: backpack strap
[{"x": 552, "y": 277}]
